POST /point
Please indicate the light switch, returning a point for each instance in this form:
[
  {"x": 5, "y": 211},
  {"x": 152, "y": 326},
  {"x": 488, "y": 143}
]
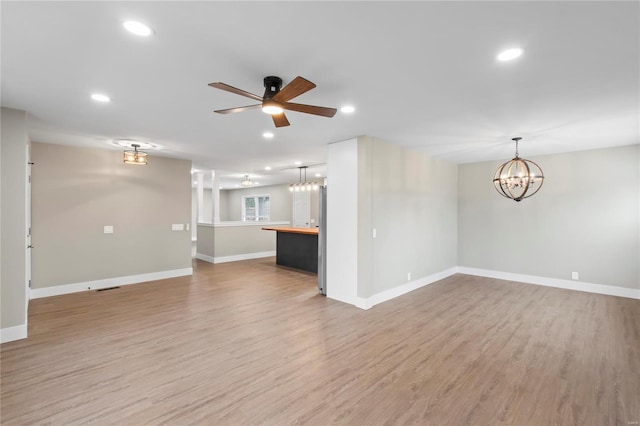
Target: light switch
[
  {"x": 108, "y": 229},
  {"x": 177, "y": 227}
]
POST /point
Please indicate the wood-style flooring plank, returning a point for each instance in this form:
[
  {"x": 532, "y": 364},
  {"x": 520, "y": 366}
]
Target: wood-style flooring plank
[{"x": 253, "y": 343}]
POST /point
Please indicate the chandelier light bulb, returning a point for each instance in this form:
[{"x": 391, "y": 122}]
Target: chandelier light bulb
[{"x": 518, "y": 178}]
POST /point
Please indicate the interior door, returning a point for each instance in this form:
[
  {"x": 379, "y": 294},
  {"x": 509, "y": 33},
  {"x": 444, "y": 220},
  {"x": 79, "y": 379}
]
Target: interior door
[{"x": 301, "y": 209}]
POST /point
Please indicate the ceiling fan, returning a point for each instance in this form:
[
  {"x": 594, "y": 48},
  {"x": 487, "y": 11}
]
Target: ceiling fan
[{"x": 276, "y": 99}]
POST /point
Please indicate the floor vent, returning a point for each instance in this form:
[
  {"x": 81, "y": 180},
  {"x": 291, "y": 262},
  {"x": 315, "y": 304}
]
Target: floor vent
[{"x": 108, "y": 288}]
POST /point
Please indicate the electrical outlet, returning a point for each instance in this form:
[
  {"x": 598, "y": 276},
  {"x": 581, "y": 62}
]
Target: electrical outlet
[
  {"x": 108, "y": 229},
  {"x": 408, "y": 276},
  {"x": 374, "y": 232},
  {"x": 575, "y": 276}
]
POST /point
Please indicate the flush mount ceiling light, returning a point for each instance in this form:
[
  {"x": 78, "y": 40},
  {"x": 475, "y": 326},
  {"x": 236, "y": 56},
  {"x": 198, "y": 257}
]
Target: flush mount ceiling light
[
  {"x": 303, "y": 186},
  {"x": 137, "y": 28},
  {"x": 271, "y": 107},
  {"x": 509, "y": 54},
  {"x": 246, "y": 181},
  {"x": 135, "y": 156},
  {"x": 518, "y": 178},
  {"x": 99, "y": 97}
]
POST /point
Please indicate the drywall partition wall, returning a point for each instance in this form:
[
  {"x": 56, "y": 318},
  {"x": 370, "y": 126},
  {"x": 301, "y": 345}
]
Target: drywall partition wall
[
  {"x": 79, "y": 191},
  {"x": 585, "y": 219},
  {"x": 342, "y": 221},
  {"x": 14, "y": 143},
  {"x": 411, "y": 201},
  {"x": 279, "y": 199}
]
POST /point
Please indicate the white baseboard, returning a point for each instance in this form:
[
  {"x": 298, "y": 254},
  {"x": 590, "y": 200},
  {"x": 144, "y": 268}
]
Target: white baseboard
[
  {"x": 205, "y": 258},
  {"x": 368, "y": 302},
  {"x": 246, "y": 256},
  {"x": 554, "y": 282},
  {"x": 10, "y": 334},
  {"x": 57, "y": 290}
]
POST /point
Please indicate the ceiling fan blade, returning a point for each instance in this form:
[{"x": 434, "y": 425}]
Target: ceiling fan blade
[
  {"x": 310, "y": 109},
  {"x": 227, "y": 88},
  {"x": 296, "y": 87},
  {"x": 237, "y": 109},
  {"x": 280, "y": 120}
]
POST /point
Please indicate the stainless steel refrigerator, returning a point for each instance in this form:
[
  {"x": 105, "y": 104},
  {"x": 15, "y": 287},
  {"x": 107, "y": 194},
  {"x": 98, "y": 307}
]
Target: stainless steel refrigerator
[{"x": 322, "y": 240}]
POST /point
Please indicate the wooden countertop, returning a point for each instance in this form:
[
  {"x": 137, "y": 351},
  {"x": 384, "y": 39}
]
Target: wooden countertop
[{"x": 310, "y": 231}]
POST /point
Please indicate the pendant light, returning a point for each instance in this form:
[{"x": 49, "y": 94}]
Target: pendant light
[
  {"x": 135, "y": 156},
  {"x": 518, "y": 178},
  {"x": 303, "y": 186}
]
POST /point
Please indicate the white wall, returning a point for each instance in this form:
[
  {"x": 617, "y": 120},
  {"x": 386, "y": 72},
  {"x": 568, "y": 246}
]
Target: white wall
[
  {"x": 13, "y": 225},
  {"x": 342, "y": 221},
  {"x": 584, "y": 219}
]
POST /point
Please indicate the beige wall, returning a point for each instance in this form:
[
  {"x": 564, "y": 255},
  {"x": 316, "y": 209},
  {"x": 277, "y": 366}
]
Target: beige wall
[
  {"x": 13, "y": 226},
  {"x": 407, "y": 197},
  {"x": 279, "y": 197},
  {"x": 77, "y": 191},
  {"x": 240, "y": 240},
  {"x": 411, "y": 201},
  {"x": 584, "y": 219}
]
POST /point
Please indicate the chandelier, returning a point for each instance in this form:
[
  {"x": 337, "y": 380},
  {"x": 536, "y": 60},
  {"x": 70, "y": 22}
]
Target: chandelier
[
  {"x": 135, "y": 156},
  {"x": 518, "y": 178},
  {"x": 303, "y": 186},
  {"x": 246, "y": 181}
]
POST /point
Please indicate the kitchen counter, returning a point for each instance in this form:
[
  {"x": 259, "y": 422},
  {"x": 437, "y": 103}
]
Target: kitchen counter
[{"x": 296, "y": 247}]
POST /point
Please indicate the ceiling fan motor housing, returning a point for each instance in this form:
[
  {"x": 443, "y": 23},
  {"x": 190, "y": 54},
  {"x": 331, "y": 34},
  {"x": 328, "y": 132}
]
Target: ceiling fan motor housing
[{"x": 272, "y": 86}]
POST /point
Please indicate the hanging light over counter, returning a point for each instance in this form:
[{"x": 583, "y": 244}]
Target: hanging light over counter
[
  {"x": 135, "y": 156},
  {"x": 518, "y": 178},
  {"x": 303, "y": 186}
]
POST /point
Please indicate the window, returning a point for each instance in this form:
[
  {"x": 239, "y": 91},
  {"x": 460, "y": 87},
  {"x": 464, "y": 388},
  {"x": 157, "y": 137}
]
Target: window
[{"x": 255, "y": 208}]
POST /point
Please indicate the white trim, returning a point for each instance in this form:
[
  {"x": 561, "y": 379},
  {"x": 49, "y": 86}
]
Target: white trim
[
  {"x": 205, "y": 258},
  {"x": 10, "y": 334},
  {"x": 37, "y": 293},
  {"x": 554, "y": 282},
  {"x": 247, "y": 223},
  {"x": 247, "y": 256},
  {"x": 366, "y": 303}
]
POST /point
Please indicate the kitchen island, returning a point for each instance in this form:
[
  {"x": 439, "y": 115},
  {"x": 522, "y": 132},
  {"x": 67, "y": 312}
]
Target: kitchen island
[{"x": 296, "y": 247}]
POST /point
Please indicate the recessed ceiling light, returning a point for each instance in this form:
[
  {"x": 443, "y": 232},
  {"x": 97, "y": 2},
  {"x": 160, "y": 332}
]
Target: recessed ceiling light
[
  {"x": 267, "y": 135},
  {"x": 318, "y": 175},
  {"x": 256, "y": 182},
  {"x": 100, "y": 97},
  {"x": 297, "y": 163},
  {"x": 509, "y": 54},
  {"x": 267, "y": 168},
  {"x": 347, "y": 109},
  {"x": 137, "y": 28}
]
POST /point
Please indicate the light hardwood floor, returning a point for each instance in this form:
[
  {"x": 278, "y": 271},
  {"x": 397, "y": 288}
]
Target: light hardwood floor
[{"x": 251, "y": 343}]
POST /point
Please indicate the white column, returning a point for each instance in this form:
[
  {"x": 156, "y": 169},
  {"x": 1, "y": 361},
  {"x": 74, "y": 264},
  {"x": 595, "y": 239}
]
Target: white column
[
  {"x": 200, "y": 192},
  {"x": 215, "y": 195}
]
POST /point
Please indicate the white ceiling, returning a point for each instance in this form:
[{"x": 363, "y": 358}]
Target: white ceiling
[{"x": 420, "y": 74}]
